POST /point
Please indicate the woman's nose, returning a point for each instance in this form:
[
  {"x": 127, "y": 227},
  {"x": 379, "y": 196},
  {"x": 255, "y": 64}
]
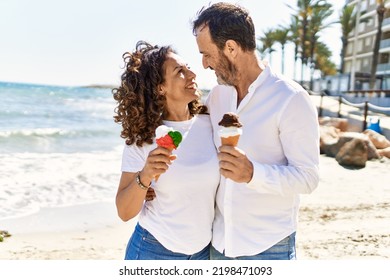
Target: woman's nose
[{"x": 191, "y": 74}]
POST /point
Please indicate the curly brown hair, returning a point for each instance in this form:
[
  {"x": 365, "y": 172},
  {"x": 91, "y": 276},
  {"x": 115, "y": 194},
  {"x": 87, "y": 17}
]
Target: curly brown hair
[{"x": 140, "y": 108}]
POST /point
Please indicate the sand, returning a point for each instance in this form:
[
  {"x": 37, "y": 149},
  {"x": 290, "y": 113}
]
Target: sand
[{"x": 347, "y": 217}]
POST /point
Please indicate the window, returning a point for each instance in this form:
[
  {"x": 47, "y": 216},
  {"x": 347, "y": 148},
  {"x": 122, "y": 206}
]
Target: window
[
  {"x": 384, "y": 58},
  {"x": 360, "y": 45},
  {"x": 358, "y": 66},
  {"x": 370, "y": 22},
  {"x": 363, "y": 6},
  {"x": 361, "y": 27},
  {"x": 347, "y": 67},
  {"x": 368, "y": 42},
  {"x": 349, "y": 48},
  {"x": 365, "y": 62}
]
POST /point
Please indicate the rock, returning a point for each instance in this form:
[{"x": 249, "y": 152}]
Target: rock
[
  {"x": 329, "y": 136},
  {"x": 339, "y": 123},
  {"x": 384, "y": 152},
  {"x": 331, "y": 148},
  {"x": 379, "y": 141},
  {"x": 353, "y": 153},
  {"x": 372, "y": 151}
]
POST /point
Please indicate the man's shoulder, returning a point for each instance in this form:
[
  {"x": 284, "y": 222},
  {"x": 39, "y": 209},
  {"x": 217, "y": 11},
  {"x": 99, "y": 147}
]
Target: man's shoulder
[
  {"x": 221, "y": 89},
  {"x": 219, "y": 93},
  {"x": 287, "y": 84}
]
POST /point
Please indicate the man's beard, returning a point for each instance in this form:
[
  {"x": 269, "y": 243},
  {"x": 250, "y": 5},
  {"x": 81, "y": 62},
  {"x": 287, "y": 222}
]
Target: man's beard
[{"x": 228, "y": 72}]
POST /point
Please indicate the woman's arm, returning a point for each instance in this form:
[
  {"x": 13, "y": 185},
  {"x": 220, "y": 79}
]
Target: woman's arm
[{"x": 130, "y": 195}]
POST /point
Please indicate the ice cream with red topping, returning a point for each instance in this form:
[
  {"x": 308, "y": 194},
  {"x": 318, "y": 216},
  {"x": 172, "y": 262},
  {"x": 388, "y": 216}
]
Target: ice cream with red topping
[{"x": 167, "y": 137}]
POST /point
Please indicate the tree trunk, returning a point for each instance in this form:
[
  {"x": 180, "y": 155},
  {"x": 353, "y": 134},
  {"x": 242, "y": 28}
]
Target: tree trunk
[
  {"x": 343, "y": 50},
  {"x": 295, "y": 62},
  {"x": 283, "y": 59},
  {"x": 380, "y": 12}
]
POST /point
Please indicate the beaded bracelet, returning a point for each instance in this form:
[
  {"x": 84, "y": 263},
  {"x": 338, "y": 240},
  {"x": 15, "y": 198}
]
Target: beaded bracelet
[{"x": 138, "y": 180}]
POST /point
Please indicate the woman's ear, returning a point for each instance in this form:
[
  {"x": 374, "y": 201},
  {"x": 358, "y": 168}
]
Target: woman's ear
[{"x": 160, "y": 89}]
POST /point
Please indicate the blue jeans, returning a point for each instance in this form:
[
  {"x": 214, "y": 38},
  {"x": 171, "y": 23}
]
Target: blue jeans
[
  {"x": 144, "y": 246},
  {"x": 283, "y": 250}
]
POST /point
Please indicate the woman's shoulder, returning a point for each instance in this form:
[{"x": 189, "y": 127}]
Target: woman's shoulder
[
  {"x": 202, "y": 124},
  {"x": 203, "y": 119},
  {"x": 133, "y": 149},
  {"x": 220, "y": 93}
]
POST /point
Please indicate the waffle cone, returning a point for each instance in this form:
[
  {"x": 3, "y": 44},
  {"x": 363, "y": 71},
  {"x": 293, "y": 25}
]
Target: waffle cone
[
  {"x": 230, "y": 141},
  {"x": 158, "y": 176}
]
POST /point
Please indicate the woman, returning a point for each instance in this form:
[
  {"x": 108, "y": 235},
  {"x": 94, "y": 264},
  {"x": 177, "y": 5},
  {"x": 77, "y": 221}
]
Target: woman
[{"x": 159, "y": 88}]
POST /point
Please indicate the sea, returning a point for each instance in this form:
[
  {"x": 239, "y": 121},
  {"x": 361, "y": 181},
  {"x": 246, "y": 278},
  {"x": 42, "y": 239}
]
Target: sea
[{"x": 59, "y": 146}]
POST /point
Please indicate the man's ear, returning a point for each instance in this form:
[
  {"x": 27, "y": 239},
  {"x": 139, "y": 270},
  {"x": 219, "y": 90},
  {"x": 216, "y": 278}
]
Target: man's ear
[{"x": 231, "y": 48}]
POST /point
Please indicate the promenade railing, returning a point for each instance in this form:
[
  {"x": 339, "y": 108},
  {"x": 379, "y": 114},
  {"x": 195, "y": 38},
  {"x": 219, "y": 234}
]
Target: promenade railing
[{"x": 365, "y": 107}]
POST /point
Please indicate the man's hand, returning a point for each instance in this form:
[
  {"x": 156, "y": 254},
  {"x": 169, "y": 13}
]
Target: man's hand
[
  {"x": 150, "y": 194},
  {"x": 234, "y": 164}
]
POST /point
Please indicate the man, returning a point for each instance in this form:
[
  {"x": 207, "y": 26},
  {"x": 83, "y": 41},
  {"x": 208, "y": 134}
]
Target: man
[{"x": 277, "y": 156}]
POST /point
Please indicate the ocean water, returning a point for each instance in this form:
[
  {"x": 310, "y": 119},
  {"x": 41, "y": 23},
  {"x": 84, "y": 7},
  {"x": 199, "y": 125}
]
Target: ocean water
[{"x": 59, "y": 146}]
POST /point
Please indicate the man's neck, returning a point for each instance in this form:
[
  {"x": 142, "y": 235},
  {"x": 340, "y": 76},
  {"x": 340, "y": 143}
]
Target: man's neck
[{"x": 248, "y": 70}]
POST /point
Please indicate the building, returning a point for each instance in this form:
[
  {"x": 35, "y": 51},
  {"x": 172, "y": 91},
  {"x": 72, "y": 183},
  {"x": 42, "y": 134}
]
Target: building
[{"x": 359, "y": 54}]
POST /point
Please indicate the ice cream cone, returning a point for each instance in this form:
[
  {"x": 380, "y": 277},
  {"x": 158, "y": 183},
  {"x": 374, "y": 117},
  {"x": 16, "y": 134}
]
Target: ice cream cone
[
  {"x": 230, "y": 141},
  {"x": 158, "y": 176},
  {"x": 168, "y": 138},
  {"x": 230, "y": 129}
]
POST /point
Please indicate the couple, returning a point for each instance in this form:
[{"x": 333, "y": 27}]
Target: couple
[{"x": 250, "y": 212}]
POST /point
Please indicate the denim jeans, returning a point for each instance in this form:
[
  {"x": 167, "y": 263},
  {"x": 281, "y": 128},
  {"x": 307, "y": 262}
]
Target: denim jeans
[
  {"x": 283, "y": 250},
  {"x": 144, "y": 246}
]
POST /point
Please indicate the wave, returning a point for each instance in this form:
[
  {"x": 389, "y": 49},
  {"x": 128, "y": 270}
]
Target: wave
[
  {"x": 32, "y": 181},
  {"x": 53, "y": 133}
]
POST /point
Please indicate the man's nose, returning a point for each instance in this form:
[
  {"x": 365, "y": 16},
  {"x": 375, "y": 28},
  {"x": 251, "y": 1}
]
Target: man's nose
[{"x": 205, "y": 63}]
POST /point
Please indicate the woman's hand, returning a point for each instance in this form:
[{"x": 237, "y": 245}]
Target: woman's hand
[{"x": 157, "y": 162}]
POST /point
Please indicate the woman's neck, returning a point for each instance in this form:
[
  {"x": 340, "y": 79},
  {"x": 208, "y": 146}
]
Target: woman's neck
[{"x": 177, "y": 115}]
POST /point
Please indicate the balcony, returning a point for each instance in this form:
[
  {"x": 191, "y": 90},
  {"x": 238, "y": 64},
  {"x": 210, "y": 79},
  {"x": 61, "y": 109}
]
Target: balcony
[
  {"x": 383, "y": 67},
  {"x": 386, "y": 21},
  {"x": 385, "y": 43}
]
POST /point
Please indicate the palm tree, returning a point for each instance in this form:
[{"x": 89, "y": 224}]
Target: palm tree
[
  {"x": 281, "y": 36},
  {"x": 317, "y": 23},
  {"x": 304, "y": 12},
  {"x": 295, "y": 39},
  {"x": 268, "y": 42},
  {"x": 347, "y": 20},
  {"x": 380, "y": 11},
  {"x": 322, "y": 61}
]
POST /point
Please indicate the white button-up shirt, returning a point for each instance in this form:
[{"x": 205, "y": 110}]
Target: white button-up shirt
[{"x": 281, "y": 138}]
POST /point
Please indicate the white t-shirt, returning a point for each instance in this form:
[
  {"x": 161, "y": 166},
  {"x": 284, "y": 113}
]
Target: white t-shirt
[
  {"x": 182, "y": 213},
  {"x": 281, "y": 138}
]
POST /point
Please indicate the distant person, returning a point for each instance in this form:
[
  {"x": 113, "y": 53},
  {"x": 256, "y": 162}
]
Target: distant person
[
  {"x": 159, "y": 88},
  {"x": 277, "y": 156}
]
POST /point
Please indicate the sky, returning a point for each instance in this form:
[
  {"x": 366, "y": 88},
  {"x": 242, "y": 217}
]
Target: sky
[{"x": 81, "y": 42}]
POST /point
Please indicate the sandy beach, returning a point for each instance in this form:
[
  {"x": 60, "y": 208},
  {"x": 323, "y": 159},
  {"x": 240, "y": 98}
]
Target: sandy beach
[{"x": 347, "y": 217}]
